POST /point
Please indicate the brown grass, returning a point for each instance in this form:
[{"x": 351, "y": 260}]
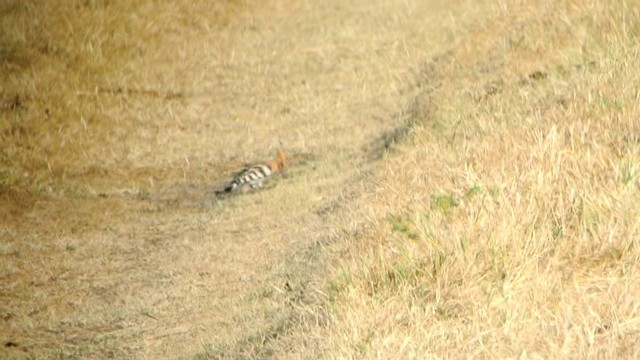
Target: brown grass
[
  {"x": 506, "y": 227},
  {"x": 463, "y": 180}
]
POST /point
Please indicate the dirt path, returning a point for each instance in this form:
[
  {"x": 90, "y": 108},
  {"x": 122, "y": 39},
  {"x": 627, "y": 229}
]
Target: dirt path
[{"x": 127, "y": 255}]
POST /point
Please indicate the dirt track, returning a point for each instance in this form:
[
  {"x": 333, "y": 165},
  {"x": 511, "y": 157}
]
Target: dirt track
[{"x": 126, "y": 254}]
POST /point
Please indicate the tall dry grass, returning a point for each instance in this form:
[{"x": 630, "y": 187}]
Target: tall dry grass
[
  {"x": 506, "y": 225},
  {"x": 463, "y": 185}
]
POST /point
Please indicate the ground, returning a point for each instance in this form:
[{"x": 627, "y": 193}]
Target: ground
[{"x": 462, "y": 179}]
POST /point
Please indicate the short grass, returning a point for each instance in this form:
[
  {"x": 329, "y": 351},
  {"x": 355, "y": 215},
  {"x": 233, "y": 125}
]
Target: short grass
[{"x": 463, "y": 180}]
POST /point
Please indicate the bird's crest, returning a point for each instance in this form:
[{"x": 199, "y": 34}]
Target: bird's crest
[{"x": 282, "y": 158}]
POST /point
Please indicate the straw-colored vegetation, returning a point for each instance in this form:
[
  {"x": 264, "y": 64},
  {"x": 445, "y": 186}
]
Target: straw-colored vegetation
[{"x": 463, "y": 181}]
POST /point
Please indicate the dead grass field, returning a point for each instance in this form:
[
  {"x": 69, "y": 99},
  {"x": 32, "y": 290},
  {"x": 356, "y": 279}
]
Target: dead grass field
[{"x": 463, "y": 181}]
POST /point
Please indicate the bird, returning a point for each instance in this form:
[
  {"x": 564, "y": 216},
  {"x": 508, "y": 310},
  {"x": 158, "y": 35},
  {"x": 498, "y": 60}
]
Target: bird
[{"x": 256, "y": 175}]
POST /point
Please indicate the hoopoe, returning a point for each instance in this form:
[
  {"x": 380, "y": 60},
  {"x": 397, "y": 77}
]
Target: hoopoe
[{"x": 255, "y": 175}]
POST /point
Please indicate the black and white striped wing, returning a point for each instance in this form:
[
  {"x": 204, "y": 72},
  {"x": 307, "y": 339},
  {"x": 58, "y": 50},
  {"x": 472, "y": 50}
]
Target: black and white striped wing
[{"x": 252, "y": 176}]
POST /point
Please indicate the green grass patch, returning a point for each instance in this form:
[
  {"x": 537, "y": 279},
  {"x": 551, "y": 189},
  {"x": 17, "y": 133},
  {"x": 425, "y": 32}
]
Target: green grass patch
[{"x": 444, "y": 203}]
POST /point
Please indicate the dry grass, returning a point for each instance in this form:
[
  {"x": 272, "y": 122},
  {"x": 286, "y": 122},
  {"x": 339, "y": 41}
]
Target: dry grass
[
  {"x": 501, "y": 223},
  {"x": 507, "y": 225}
]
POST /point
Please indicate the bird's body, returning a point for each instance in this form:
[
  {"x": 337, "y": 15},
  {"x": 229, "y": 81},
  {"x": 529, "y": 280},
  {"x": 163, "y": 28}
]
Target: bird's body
[{"x": 254, "y": 176}]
